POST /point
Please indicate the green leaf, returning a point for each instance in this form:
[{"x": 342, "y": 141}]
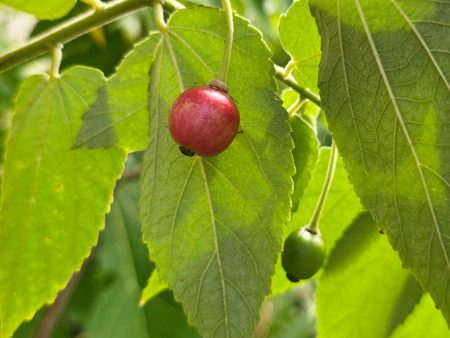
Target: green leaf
[
  {"x": 339, "y": 211},
  {"x": 53, "y": 198},
  {"x": 154, "y": 287},
  {"x": 305, "y": 155},
  {"x": 289, "y": 97},
  {"x": 300, "y": 38},
  {"x": 43, "y": 9},
  {"x": 123, "y": 257},
  {"x": 214, "y": 225},
  {"x": 119, "y": 117},
  {"x": 385, "y": 85},
  {"x": 425, "y": 321},
  {"x": 363, "y": 277}
]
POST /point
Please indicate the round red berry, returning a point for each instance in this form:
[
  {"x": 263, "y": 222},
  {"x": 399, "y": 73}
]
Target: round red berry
[{"x": 204, "y": 120}]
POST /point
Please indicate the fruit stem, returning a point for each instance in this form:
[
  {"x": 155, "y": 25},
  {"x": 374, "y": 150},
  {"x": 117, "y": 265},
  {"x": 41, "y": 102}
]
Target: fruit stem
[
  {"x": 56, "y": 61},
  {"x": 313, "y": 225},
  {"x": 281, "y": 75},
  {"x": 223, "y": 73}
]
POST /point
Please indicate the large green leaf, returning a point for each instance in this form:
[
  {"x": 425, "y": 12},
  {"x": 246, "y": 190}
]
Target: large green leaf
[
  {"x": 339, "y": 211},
  {"x": 359, "y": 290},
  {"x": 300, "y": 38},
  {"x": 42, "y": 9},
  {"x": 119, "y": 117},
  {"x": 214, "y": 225},
  {"x": 53, "y": 198},
  {"x": 384, "y": 82},
  {"x": 425, "y": 321}
]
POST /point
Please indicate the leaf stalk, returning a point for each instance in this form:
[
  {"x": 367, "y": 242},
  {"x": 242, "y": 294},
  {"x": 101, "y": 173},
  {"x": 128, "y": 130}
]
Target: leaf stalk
[
  {"x": 314, "y": 222},
  {"x": 281, "y": 75},
  {"x": 223, "y": 73},
  {"x": 56, "y": 61}
]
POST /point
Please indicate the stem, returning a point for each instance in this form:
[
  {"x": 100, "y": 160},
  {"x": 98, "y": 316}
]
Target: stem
[
  {"x": 55, "y": 311},
  {"x": 68, "y": 31},
  {"x": 289, "y": 68},
  {"x": 172, "y": 5},
  {"x": 294, "y": 108},
  {"x": 158, "y": 17},
  {"x": 56, "y": 61},
  {"x": 131, "y": 173},
  {"x": 280, "y": 74},
  {"x": 314, "y": 222},
  {"x": 95, "y": 4},
  {"x": 223, "y": 73}
]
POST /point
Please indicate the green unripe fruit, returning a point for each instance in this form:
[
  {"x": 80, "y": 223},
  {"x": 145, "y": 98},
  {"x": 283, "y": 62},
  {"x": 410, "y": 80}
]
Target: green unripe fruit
[{"x": 303, "y": 254}]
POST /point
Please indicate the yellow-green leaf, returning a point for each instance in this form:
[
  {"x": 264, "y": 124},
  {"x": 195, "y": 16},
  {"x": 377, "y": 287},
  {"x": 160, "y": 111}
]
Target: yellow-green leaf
[
  {"x": 42, "y": 9},
  {"x": 54, "y": 199}
]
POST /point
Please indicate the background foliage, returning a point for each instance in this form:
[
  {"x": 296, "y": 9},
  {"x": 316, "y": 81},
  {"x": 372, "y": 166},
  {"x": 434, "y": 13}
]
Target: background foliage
[{"x": 382, "y": 70}]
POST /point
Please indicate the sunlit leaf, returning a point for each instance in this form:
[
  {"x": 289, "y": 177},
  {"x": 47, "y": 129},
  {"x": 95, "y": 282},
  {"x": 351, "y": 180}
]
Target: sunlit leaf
[
  {"x": 361, "y": 285},
  {"x": 54, "y": 199},
  {"x": 300, "y": 38},
  {"x": 43, "y": 9},
  {"x": 425, "y": 321},
  {"x": 119, "y": 117}
]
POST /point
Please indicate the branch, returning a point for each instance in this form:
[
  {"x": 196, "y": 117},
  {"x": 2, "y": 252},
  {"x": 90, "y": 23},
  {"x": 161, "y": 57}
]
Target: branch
[
  {"x": 280, "y": 74},
  {"x": 131, "y": 173},
  {"x": 69, "y": 30},
  {"x": 55, "y": 311}
]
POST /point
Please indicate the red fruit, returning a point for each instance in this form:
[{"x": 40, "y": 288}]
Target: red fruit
[{"x": 204, "y": 120}]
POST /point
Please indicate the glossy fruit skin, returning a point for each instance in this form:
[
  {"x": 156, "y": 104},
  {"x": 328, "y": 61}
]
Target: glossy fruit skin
[
  {"x": 204, "y": 120},
  {"x": 303, "y": 254}
]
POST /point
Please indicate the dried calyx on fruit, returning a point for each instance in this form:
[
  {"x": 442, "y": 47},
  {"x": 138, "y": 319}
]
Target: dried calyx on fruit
[
  {"x": 303, "y": 254},
  {"x": 204, "y": 120}
]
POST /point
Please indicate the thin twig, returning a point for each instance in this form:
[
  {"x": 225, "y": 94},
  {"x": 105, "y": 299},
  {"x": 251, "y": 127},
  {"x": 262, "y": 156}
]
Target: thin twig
[
  {"x": 131, "y": 173},
  {"x": 54, "y": 312},
  {"x": 280, "y": 74}
]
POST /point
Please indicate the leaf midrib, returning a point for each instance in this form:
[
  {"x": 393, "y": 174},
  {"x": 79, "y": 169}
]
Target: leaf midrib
[
  {"x": 344, "y": 68},
  {"x": 216, "y": 253},
  {"x": 216, "y": 245}
]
